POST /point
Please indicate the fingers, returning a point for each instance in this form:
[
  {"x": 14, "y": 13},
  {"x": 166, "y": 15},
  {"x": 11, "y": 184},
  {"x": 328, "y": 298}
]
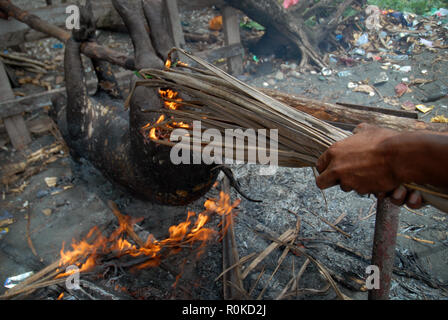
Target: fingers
[
  {"x": 399, "y": 196},
  {"x": 327, "y": 179},
  {"x": 414, "y": 200},
  {"x": 323, "y": 162}
]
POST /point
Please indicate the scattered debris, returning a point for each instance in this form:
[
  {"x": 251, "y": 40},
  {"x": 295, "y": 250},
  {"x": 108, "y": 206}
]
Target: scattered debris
[{"x": 11, "y": 282}]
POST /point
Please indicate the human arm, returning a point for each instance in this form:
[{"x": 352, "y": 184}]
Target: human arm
[{"x": 376, "y": 160}]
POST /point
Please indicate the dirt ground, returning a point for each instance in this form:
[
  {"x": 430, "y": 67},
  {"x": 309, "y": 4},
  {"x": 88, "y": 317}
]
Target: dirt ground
[{"x": 420, "y": 267}]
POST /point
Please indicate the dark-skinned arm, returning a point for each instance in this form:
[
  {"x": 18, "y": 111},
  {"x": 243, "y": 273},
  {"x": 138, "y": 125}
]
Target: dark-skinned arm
[{"x": 376, "y": 160}]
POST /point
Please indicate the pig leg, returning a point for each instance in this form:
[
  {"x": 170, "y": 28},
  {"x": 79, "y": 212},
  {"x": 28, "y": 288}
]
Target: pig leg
[
  {"x": 132, "y": 14},
  {"x": 159, "y": 27}
]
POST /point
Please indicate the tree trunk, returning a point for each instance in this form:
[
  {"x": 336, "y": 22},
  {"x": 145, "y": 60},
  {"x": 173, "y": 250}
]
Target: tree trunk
[{"x": 290, "y": 23}]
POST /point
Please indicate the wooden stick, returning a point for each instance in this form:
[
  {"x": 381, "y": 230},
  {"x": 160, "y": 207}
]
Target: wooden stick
[
  {"x": 286, "y": 236},
  {"x": 330, "y": 224},
  {"x": 416, "y": 239},
  {"x": 28, "y": 237},
  {"x": 122, "y": 219},
  {"x": 230, "y": 257}
]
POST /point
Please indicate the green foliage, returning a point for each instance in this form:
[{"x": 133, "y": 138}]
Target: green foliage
[
  {"x": 415, "y": 6},
  {"x": 252, "y": 25}
]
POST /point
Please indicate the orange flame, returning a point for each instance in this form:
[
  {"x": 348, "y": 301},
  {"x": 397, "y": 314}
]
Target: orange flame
[
  {"x": 172, "y": 95},
  {"x": 193, "y": 230},
  {"x": 168, "y": 64}
]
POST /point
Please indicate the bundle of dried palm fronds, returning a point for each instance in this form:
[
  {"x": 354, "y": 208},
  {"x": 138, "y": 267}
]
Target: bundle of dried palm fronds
[{"x": 222, "y": 102}]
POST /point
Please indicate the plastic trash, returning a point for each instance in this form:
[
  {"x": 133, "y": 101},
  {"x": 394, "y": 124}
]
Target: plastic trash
[
  {"x": 58, "y": 46},
  {"x": 363, "y": 39},
  {"x": 381, "y": 79},
  {"x": 399, "y": 57},
  {"x": 401, "y": 18},
  {"x": 3, "y": 231},
  {"x": 359, "y": 52},
  {"x": 13, "y": 281},
  {"x": 326, "y": 72},
  {"x": 401, "y": 89},
  {"x": 405, "y": 69},
  {"x": 411, "y": 48},
  {"x": 339, "y": 37},
  {"x": 382, "y": 34},
  {"x": 344, "y": 73},
  {"x": 333, "y": 58},
  {"x": 423, "y": 108},
  {"x": 442, "y": 12},
  {"x": 427, "y": 43},
  {"x": 288, "y": 3},
  {"x": 408, "y": 106}
]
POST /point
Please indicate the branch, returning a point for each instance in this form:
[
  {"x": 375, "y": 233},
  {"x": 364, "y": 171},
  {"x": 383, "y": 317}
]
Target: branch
[{"x": 333, "y": 21}]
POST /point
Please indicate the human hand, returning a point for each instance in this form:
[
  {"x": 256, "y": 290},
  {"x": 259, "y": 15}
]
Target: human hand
[
  {"x": 359, "y": 162},
  {"x": 402, "y": 195}
]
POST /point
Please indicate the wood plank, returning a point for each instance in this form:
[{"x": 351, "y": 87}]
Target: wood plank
[
  {"x": 40, "y": 100},
  {"x": 398, "y": 113},
  {"x": 211, "y": 56},
  {"x": 14, "y": 32},
  {"x": 174, "y": 19},
  {"x": 6, "y": 92},
  {"x": 17, "y": 131},
  {"x": 232, "y": 36},
  {"x": 15, "y": 125}
]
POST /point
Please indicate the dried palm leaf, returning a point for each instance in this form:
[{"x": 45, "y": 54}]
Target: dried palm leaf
[{"x": 222, "y": 102}]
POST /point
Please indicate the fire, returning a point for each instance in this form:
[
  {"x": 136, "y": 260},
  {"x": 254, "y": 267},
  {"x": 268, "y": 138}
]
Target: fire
[
  {"x": 171, "y": 105},
  {"x": 168, "y": 64},
  {"x": 90, "y": 252},
  {"x": 172, "y": 102},
  {"x": 172, "y": 95}
]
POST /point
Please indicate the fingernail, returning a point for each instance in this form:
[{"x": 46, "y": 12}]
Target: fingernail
[
  {"x": 399, "y": 193},
  {"x": 413, "y": 198}
]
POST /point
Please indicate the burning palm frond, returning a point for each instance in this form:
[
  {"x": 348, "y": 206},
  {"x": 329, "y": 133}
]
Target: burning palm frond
[{"x": 221, "y": 102}]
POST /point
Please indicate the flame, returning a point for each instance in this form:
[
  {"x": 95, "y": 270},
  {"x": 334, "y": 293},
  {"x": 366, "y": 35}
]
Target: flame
[
  {"x": 171, "y": 105},
  {"x": 172, "y": 95},
  {"x": 168, "y": 64},
  {"x": 152, "y": 132},
  {"x": 89, "y": 252}
]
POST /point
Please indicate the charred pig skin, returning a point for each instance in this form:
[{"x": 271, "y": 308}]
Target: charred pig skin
[{"x": 99, "y": 129}]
